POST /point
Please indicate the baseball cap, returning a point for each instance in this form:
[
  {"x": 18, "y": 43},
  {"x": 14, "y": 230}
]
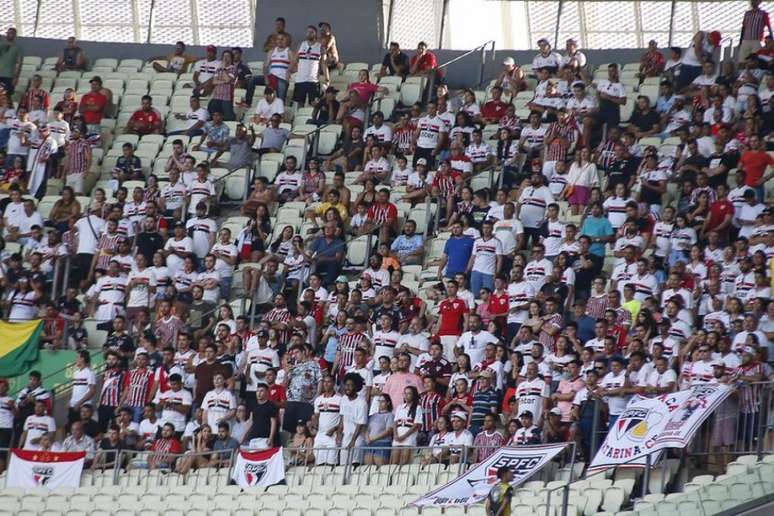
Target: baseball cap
[
  {"x": 749, "y": 349},
  {"x": 262, "y": 333},
  {"x": 526, "y": 413},
  {"x": 487, "y": 373},
  {"x": 717, "y": 363},
  {"x": 96, "y": 78},
  {"x": 509, "y": 61},
  {"x": 555, "y": 411},
  {"x": 211, "y": 47},
  {"x": 460, "y": 414},
  {"x": 342, "y": 279},
  {"x": 422, "y": 161}
]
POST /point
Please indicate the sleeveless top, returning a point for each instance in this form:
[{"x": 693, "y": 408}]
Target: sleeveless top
[
  {"x": 308, "y": 62},
  {"x": 279, "y": 62}
]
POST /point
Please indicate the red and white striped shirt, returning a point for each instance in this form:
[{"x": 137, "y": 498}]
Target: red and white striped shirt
[
  {"x": 562, "y": 137},
  {"x": 78, "y": 153},
  {"x": 754, "y": 23},
  {"x": 139, "y": 382},
  {"x": 348, "y": 343},
  {"x": 382, "y": 213},
  {"x": 281, "y": 315},
  {"x": 112, "y": 386}
]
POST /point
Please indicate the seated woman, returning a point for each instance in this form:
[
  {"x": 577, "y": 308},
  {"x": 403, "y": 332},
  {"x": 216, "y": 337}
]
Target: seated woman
[
  {"x": 197, "y": 457},
  {"x": 261, "y": 194},
  {"x": 352, "y": 109},
  {"x": 312, "y": 182}
]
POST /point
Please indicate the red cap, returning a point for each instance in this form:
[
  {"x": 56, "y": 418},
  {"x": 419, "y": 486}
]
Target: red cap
[
  {"x": 212, "y": 47},
  {"x": 714, "y": 38}
]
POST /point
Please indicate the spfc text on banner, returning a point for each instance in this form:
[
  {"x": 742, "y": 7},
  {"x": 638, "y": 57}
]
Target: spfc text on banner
[
  {"x": 474, "y": 485},
  {"x": 648, "y": 425},
  {"x": 262, "y": 468},
  {"x": 29, "y": 468}
]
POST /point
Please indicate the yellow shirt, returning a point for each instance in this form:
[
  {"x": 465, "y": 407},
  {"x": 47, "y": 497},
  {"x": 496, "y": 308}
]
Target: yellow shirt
[{"x": 324, "y": 206}]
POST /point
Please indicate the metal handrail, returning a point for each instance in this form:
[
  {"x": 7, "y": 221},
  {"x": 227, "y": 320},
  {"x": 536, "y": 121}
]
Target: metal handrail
[{"x": 483, "y": 51}]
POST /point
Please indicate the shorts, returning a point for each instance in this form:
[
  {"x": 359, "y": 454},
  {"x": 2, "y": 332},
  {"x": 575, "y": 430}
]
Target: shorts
[
  {"x": 306, "y": 90},
  {"x": 379, "y": 448},
  {"x": 75, "y": 181},
  {"x": 579, "y": 196},
  {"x": 325, "y": 450},
  {"x": 449, "y": 341}
]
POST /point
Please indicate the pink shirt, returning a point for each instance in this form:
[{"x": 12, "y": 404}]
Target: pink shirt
[
  {"x": 363, "y": 89},
  {"x": 397, "y": 383},
  {"x": 566, "y": 386}
]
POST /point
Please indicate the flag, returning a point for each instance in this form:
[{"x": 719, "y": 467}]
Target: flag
[
  {"x": 262, "y": 468},
  {"x": 474, "y": 485},
  {"x": 30, "y": 468},
  {"x": 649, "y": 425},
  {"x": 18, "y": 346}
]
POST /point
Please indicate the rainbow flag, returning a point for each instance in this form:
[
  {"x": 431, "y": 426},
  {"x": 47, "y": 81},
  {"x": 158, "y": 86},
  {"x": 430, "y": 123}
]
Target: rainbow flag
[{"x": 18, "y": 346}]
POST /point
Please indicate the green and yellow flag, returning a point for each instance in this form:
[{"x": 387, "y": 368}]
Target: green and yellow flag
[{"x": 18, "y": 346}]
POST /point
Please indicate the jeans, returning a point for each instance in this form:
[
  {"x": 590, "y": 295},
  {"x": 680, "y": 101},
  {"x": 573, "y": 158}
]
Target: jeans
[
  {"x": 225, "y": 287},
  {"x": 479, "y": 280},
  {"x": 224, "y": 106}
]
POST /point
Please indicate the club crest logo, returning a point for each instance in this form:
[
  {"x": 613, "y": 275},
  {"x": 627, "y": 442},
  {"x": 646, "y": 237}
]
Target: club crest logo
[
  {"x": 42, "y": 474},
  {"x": 254, "y": 473},
  {"x": 635, "y": 424}
]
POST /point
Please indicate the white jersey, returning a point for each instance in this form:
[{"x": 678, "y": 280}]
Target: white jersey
[
  {"x": 217, "y": 405},
  {"x": 148, "y": 429},
  {"x": 308, "y": 62},
  {"x": 531, "y": 395},
  {"x": 473, "y": 344},
  {"x": 616, "y": 404},
  {"x": 200, "y": 230},
  {"x": 534, "y": 202},
  {"x": 537, "y": 272},
  {"x": 430, "y": 130},
  {"x": 37, "y": 426},
  {"x": 83, "y": 379},
  {"x": 181, "y": 398},
  {"x": 279, "y": 62},
  {"x": 139, "y": 295},
  {"x": 219, "y": 249},
  {"x": 485, "y": 253},
  {"x": 519, "y": 294},
  {"x": 656, "y": 379},
  {"x": 353, "y": 412},
  {"x": 553, "y": 242},
  {"x": 384, "y": 344},
  {"x": 533, "y": 137},
  {"x": 383, "y": 134},
  {"x": 328, "y": 410},
  {"x": 207, "y": 69}
]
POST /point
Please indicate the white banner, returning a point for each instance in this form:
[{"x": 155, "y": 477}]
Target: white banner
[
  {"x": 262, "y": 468},
  {"x": 474, "y": 485},
  {"x": 28, "y": 468},
  {"x": 652, "y": 424}
]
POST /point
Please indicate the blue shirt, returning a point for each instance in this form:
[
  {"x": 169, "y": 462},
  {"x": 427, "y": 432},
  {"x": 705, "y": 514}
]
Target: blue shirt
[
  {"x": 323, "y": 247},
  {"x": 664, "y": 104},
  {"x": 585, "y": 325},
  {"x": 458, "y": 250},
  {"x": 597, "y": 227},
  {"x": 404, "y": 245}
]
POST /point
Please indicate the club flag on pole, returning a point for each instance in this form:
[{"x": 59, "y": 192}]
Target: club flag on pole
[
  {"x": 649, "y": 425},
  {"x": 18, "y": 346},
  {"x": 261, "y": 468},
  {"x": 474, "y": 485},
  {"x": 30, "y": 468}
]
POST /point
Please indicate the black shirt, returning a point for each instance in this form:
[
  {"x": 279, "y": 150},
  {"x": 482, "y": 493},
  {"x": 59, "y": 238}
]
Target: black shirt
[
  {"x": 148, "y": 244},
  {"x": 620, "y": 171},
  {"x": 90, "y": 428},
  {"x": 110, "y": 450},
  {"x": 262, "y": 414},
  {"x": 393, "y": 311},
  {"x": 721, "y": 158},
  {"x": 644, "y": 122},
  {"x": 401, "y": 60}
]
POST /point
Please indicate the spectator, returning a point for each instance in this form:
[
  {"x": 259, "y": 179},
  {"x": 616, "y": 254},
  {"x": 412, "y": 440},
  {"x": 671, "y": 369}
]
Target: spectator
[
  {"x": 395, "y": 62},
  {"x": 145, "y": 120},
  {"x": 204, "y": 72},
  {"x": 73, "y": 57},
  {"x": 93, "y": 107},
  {"x": 11, "y": 61},
  {"x": 195, "y": 119},
  {"x": 176, "y": 61},
  {"x": 306, "y": 65}
]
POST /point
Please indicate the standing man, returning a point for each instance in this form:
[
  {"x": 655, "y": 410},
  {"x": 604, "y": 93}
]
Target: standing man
[
  {"x": 452, "y": 319},
  {"x": 10, "y": 62},
  {"x": 306, "y": 65},
  {"x": 753, "y": 24},
  {"x": 498, "y": 501}
]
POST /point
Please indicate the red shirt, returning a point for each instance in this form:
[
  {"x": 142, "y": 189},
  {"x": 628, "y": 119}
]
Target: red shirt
[
  {"x": 92, "y": 99},
  {"x": 498, "y": 304},
  {"x": 363, "y": 89},
  {"x": 718, "y": 211},
  {"x": 382, "y": 213},
  {"x": 494, "y": 109},
  {"x": 452, "y": 315},
  {"x": 755, "y": 164},
  {"x": 277, "y": 393},
  {"x": 426, "y": 62},
  {"x": 144, "y": 121}
]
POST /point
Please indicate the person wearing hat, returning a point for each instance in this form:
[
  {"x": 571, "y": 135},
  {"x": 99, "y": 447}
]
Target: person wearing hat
[
  {"x": 547, "y": 58},
  {"x": 204, "y": 71},
  {"x": 511, "y": 78},
  {"x": 94, "y": 105},
  {"x": 177, "y": 61},
  {"x": 529, "y": 433},
  {"x": 459, "y": 437},
  {"x": 395, "y": 62}
]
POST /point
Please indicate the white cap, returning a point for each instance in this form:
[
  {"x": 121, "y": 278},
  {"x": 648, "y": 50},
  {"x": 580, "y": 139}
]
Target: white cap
[
  {"x": 555, "y": 411},
  {"x": 717, "y": 362},
  {"x": 460, "y": 414},
  {"x": 509, "y": 61}
]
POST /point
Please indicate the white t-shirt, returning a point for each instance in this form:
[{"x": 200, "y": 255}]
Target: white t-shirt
[
  {"x": 534, "y": 202},
  {"x": 217, "y": 405},
  {"x": 519, "y": 294},
  {"x": 616, "y": 404},
  {"x": 265, "y": 110},
  {"x": 382, "y": 134},
  {"x": 89, "y": 229},
  {"x": 82, "y": 380},
  {"x": 194, "y": 117},
  {"x": 485, "y": 253},
  {"x": 36, "y": 426},
  {"x": 354, "y": 412},
  {"x": 474, "y": 344},
  {"x": 384, "y": 344},
  {"x": 139, "y": 296},
  {"x": 430, "y": 129},
  {"x": 172, "y": 398},
  {"x": 328, "y": 409},
  {"x": 537, "y": 272},
  {"x": 531, "y": 395},
  {"x": 207, "y": 69},
  {"x": 200, "y": 230}
]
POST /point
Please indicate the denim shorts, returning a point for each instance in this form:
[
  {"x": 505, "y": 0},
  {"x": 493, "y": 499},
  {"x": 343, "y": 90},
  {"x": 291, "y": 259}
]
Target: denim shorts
[{"x": 383, "y": 450}]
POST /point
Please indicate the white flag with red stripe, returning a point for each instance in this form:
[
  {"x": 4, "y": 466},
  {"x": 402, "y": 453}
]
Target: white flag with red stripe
[
  {"x": 30, "y": 468},
  {"x": 261, "y": 468}
]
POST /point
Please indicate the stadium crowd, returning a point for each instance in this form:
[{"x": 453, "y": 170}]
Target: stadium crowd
[{"x": 620, "y": 255}]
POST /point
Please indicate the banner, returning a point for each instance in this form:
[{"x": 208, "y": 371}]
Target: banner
[
  {"x": 262, "y": 468},
  {"x": 29, "y": 468},
  {"x": 18, "y": 346},
  {"x": 648, "y": 425},
  {"x": 474, "y": 485}
]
